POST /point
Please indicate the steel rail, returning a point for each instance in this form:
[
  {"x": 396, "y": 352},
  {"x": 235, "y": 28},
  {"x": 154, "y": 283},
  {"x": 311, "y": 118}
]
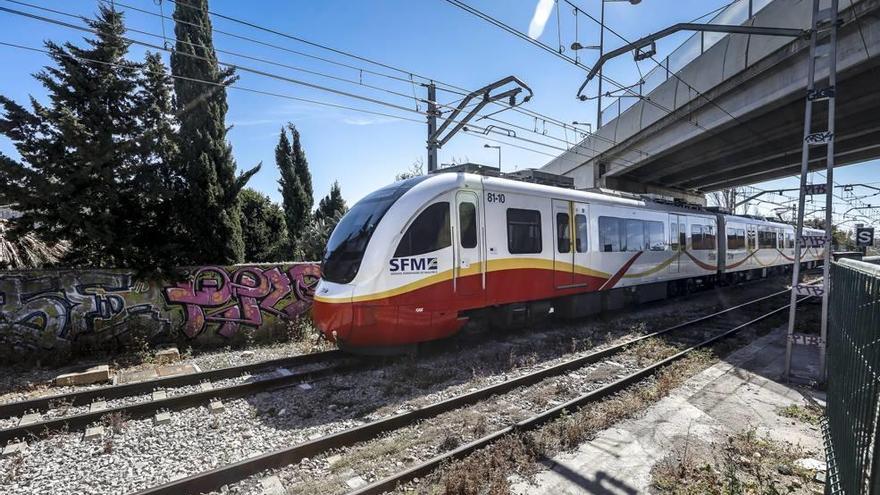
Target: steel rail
[
  {"x": 214, "y": 479},
  {"x": 427, "y": 467},
  {"x": 84, "y": 397},
  {"x": 175, "y": 402}
]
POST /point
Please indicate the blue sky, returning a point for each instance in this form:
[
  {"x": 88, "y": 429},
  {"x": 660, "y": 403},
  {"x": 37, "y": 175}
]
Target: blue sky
[{"x": 427, "y": 37}]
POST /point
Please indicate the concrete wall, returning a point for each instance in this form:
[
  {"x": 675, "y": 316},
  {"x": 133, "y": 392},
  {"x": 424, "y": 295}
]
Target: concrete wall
[{"x": 58, "y": 313}]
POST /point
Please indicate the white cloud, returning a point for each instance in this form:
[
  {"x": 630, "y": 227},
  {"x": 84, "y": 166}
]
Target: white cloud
[
  {"x": 542, "y": 13},
  {"x": 358, "y": 120}
]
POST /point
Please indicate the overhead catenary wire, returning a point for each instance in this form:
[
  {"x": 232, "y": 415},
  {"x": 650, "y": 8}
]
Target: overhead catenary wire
[
  {"x": 573, "y": 61},
  {"x": 280, "y": 95},
  {"x": 410, "y": 74},
  {"x": 445, "y": 86},
  {"x": 260, "y": 72}
]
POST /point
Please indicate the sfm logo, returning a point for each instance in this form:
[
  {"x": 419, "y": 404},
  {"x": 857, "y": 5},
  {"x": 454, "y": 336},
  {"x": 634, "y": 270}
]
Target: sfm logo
[{"x": 413, "y": 265}]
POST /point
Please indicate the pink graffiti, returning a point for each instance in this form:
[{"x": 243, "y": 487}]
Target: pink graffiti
[{"x": 213, "y": 295}]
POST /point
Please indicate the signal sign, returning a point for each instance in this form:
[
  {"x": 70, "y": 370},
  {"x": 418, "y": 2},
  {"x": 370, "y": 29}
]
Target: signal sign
[
  {"x": 811, "y": 189},
  {"x": 864, "y": 236}
]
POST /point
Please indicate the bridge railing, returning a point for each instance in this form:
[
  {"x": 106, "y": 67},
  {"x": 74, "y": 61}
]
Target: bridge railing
[
  {"x": 851, "y": 426},
  {"x": 735, "y": 13}
]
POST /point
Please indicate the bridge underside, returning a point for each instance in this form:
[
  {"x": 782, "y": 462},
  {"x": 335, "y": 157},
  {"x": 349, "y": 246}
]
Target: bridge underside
[
  {"x": 744, "y": 124},
  {"x": 766, "y": 145}
]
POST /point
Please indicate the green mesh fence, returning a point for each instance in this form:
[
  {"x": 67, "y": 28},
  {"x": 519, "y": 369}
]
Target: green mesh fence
[{"x": 851, "y": 429}]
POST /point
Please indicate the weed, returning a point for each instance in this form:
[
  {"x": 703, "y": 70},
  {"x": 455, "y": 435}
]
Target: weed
[
  {"x": 450, "y": 442},
  {"x": 480, "y": 427},
  {"x": 486, "y": 471},
  {"x": 809, "y": 414},
  {"x": 746, "y": 463},
  {"x": 116, "y": 421}
]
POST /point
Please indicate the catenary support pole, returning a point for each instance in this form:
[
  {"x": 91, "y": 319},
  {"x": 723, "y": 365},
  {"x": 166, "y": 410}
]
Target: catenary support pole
[{"x": 432, "y": 127}]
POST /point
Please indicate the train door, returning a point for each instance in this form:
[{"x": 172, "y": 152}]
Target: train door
[
  {"x": 469, "y": 263},
  {"x": 563, "y": 252},
  {"x": 677, "y": 241}
]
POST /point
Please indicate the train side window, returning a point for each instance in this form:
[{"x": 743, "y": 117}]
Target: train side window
[
  {"x": 429, "y": 232},
  {"x": 766, "y": 239},
  {"x": 523, "y": 231},
  {"x": 752, "y": 238},
  {"x": 610, "y": 235},
  {"x": 467, "y": 220},
  {"x": 580, "y": 230},
  {"x": 635, "y": 235},
  {"x": 702, "y": 237},
  {"x": 655, "y": 235},
  {"x": 736, "y": 238},
  {"x": 696, "y": 237},
  {"x": 709, "y": 240},
  {"x": 789, "y": 240},
  {"x": 563, "y": 236}
]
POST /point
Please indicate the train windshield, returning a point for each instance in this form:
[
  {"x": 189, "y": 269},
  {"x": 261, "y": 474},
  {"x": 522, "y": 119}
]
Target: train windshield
[{"x": 349, "y": 240}]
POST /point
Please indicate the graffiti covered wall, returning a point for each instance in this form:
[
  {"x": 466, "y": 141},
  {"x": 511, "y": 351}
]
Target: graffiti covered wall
[{"x": 60, "y": 312}]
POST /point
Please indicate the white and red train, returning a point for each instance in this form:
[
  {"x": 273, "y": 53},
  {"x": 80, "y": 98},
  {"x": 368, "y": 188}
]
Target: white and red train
[{"x": 415, "y": 260}]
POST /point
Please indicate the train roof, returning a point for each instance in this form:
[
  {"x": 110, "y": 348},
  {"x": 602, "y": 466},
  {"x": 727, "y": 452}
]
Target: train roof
[{"x": 443, "y": 180}]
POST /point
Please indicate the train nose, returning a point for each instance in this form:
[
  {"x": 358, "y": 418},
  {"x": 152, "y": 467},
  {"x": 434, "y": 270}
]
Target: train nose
[{"x": 332, "y": 310}]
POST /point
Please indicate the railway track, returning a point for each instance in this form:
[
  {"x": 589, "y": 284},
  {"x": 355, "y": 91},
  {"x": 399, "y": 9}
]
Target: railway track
[
  {"x": 722, "y": 324},
  {"x": 323, "y": 364}
]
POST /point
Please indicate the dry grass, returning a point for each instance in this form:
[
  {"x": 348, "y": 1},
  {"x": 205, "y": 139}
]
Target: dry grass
[
  {"x": 652, "y": 350},
  {"x": 486, "y": 471},
  {"x": 809, "y": 414},
  {"x": 115, "y": 421},
  {"x": 745, "y": 464}
]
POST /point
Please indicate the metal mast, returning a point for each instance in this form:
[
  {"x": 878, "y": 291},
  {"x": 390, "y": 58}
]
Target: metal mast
[{"x": 824, "y": 20}]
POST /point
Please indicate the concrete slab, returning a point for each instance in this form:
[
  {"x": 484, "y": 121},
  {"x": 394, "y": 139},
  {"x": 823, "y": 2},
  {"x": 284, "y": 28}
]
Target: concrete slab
[
  {"x": 216, "y": 407},
  {"x": 14, "y": 448},
  {"x": 94, "y": 433},
  {"x": 29, "y": 419},
  {"x": 137, "y": 376},
  {"x": 176, "y": 369},
  {"x": 283, "y": 372},
  {"x": 272, "y": 486},
  {"x": 92, "y": 375},
  {"x": 162, "y": 418},
  {"x": 168, "y": 355},
  {"x": 160, "y": 395},
  {"x": 356, "y": 482},
  {"x": 206, "y": 386},
  {"x": 98, "y": 405},
  {"x": 732, "y": 395}
]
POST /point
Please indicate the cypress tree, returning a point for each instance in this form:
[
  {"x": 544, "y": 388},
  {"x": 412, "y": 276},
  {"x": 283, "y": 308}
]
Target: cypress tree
[
  {"x": 330, "y": 210},
  {"x": 296, "y": 200},
  {"x": 301, "y": 164},
  {"x": 214, "y": 221},
  {"x": 160, "y": 237},
  {"x": 332, "y": 205},
  {"x": 262, "y": 224},
  {"x": 76, "y": 150}
]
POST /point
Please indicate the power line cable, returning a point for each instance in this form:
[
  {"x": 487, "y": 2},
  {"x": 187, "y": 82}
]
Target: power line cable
[
  {"x": 441, "y": 85},
  {"x": 268, "y": 93}
]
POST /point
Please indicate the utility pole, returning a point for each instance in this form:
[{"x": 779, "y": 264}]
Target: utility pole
[
  {"x": 432, "y": 127},
  {"x": 601, "y": 50}
]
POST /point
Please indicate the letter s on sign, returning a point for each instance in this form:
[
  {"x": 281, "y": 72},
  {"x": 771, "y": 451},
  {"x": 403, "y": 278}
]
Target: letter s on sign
[{"x": 394, "y": 265}]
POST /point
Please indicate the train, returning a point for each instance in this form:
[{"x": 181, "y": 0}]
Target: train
[{"x": 417, "y": 260}]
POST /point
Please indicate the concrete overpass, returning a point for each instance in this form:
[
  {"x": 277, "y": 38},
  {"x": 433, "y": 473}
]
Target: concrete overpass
[{"x": 748, "y": 124}]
